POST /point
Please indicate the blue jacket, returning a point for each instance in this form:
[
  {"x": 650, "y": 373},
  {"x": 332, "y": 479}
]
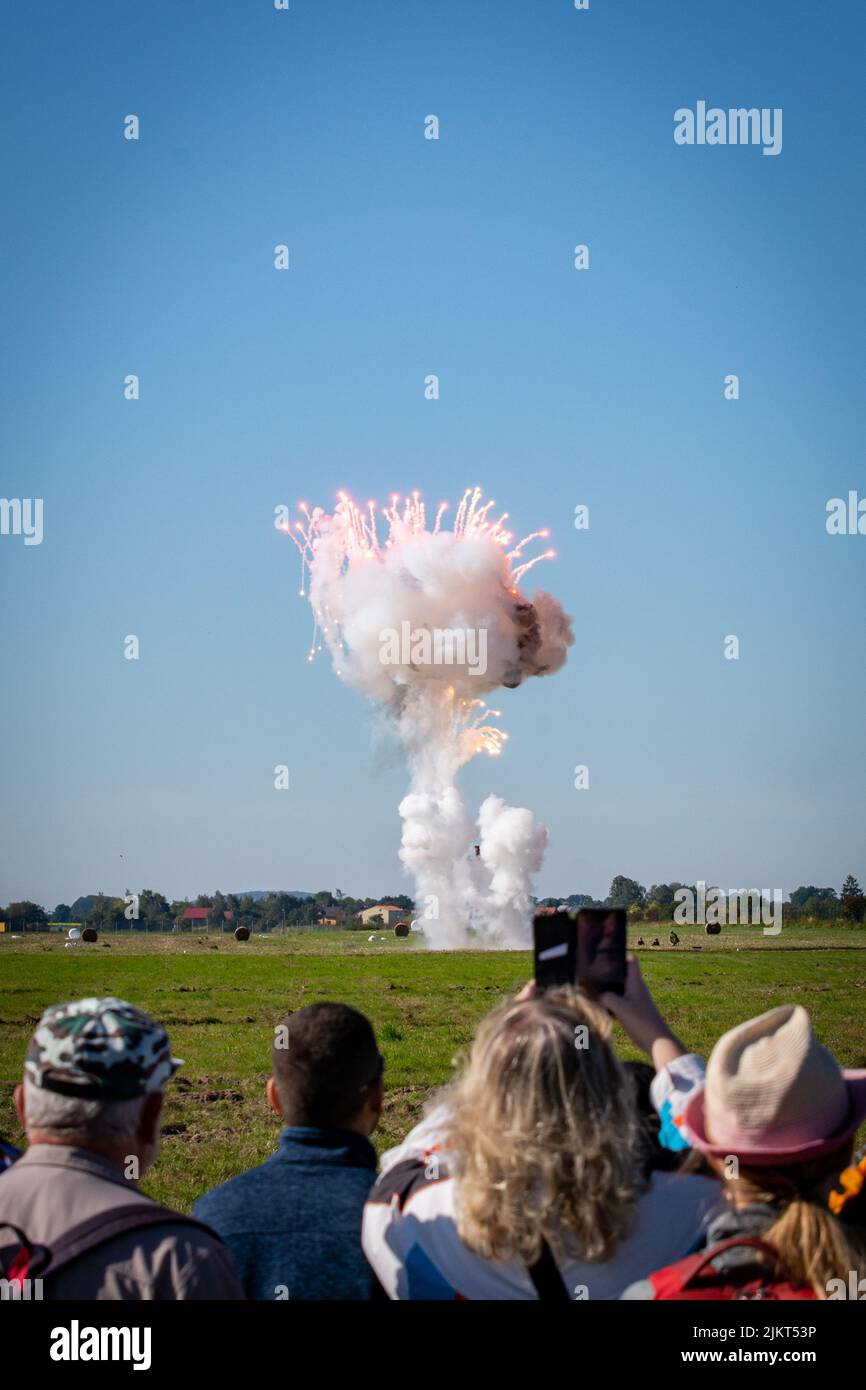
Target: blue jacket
[{"x": 293, "y": 1224}]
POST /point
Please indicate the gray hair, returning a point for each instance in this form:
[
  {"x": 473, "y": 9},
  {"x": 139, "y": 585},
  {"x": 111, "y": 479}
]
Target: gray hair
[{"x": 107, "y": 1122}]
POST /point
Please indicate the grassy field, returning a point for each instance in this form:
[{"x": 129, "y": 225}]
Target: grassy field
[{"x": 221, "y": 999}]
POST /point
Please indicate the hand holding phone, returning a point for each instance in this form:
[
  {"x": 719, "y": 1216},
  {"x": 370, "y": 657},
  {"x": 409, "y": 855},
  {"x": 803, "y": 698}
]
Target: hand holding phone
[{"x": 586, "y": 948}]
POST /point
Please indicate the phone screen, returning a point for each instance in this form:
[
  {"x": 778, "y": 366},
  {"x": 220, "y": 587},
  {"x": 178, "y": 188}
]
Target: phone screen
[
  {"x": 601, "y": 945},
  {"x": 555, "y": 940}
]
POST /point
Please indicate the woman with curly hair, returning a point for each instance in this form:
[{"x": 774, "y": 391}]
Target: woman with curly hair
[{"x": 531, "y": 1177}]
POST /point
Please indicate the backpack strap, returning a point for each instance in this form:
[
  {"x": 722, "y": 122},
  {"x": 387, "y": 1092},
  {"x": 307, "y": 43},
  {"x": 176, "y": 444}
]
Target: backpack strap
[
  {"x": 15, "y": 1263},
  {"x": 546, "y": 1278},
  {"x": 42, "y": 1261},
  {"x": 692, "y": 1268}
]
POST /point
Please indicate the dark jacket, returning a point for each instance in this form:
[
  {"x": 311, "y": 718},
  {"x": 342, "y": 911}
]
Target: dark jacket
[{"x": 293, "y": 1224}]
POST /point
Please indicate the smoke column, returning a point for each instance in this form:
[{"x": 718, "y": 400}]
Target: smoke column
[{"x": 427, "y": 622}]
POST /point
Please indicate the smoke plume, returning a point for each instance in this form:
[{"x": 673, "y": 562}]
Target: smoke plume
[{"x": 428, "y": 623}]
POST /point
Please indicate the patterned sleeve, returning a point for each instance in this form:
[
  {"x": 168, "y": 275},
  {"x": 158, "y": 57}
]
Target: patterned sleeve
[
  {"x": 428, "y": 1137},
  {"x": 671, "y": 1090}
]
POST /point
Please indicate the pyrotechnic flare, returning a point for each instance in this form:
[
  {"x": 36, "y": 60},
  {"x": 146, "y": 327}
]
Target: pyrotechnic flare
[{"x": 426, "y": 623}]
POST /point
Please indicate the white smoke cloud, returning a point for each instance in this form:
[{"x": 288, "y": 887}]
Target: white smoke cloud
[
  {"x": 512, "y": 846},
  {"x": 460, "y": 581}
]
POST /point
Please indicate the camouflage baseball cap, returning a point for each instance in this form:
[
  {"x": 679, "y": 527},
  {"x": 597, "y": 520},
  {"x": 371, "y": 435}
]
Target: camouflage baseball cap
[{"x": 99, "y": 1049}]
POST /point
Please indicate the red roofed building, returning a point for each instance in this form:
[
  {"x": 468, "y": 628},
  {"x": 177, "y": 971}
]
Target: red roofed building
[{"x": 203, "y": 917}]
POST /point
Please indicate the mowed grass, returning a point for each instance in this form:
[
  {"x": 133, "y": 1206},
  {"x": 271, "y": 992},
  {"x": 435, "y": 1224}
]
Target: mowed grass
[{"x": 220, "y": 1001}]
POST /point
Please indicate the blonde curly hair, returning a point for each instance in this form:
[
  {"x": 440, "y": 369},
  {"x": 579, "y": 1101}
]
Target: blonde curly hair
[{"x": 544, "y": 1135}]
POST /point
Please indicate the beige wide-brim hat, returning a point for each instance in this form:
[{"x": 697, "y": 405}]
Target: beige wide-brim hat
[{"x": 774, "y": 1094}]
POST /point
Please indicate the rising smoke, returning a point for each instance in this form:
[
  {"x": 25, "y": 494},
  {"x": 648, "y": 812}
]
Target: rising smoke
[{"x": 465, "y": 581}]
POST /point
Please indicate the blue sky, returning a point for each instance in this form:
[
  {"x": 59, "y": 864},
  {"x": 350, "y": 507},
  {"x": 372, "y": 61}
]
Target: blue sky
[{"x": 558, "y": 387}]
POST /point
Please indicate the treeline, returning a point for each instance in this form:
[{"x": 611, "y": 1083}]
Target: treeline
[
  {"x": 656, "y": 904},
  {"x": 151, "y": 911}
]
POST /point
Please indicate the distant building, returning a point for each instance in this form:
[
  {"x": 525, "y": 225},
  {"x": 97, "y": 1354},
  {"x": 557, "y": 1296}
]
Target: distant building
[
  {"x": 386, "y": 913},
  {"x": 196, "y": 914},
  {"x": 200, "y": 917},
  {"x": 332, "y": 917}
]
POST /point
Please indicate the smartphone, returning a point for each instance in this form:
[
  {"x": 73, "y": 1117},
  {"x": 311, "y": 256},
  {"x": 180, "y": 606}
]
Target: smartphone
[
  {"x": 555, "y": 943},
  {"x": 601, "y": 944},
  {"x": 585, "y": 948}
]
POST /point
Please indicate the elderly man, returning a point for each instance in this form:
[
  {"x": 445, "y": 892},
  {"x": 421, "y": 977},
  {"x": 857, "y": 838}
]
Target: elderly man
[{"x": 91, "y": 1103}]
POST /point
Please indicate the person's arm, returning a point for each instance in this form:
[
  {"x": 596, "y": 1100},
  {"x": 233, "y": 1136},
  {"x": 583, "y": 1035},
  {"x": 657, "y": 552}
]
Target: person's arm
[{"x": 638, "y": 1014}]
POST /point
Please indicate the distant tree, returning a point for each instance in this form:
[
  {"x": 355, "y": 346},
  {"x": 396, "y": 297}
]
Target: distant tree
[
  {"x": 245, "y": 912},
  {"x": 219, "y": 908},
  {"x": 82, "y": 906},
  {"x": 106, "y": 913},
  {"x": 275, "y": 910},
  {"x": 625, "y": 892},
  {"x": 240, "y": 905},
  {"x": 661, "y": 897},
  {"x": 853, "y": 901},
  {"x": 24, "y": 914},
  {"x": 799, "y": 897},
  {"x": 153, "y": 908},
  {"x": 62, "y": 913}
]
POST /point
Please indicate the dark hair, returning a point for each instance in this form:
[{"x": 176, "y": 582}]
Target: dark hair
[{"x": 330, "y": 1060}]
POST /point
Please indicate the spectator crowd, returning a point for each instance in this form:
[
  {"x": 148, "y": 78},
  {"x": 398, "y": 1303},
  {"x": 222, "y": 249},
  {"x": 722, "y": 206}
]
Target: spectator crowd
[{"x": 548, "y": 1169}]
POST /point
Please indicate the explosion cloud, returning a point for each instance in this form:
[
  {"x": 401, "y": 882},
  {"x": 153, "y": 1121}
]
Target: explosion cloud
[{"x": 427, "y": 622}]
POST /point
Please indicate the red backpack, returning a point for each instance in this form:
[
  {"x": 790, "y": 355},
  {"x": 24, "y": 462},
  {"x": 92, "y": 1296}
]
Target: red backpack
[{"x": 695, "y": 1278}]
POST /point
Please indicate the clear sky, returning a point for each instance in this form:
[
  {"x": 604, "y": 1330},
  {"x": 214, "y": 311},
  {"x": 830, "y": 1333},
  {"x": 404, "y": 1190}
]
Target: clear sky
[{"x": 559, "y": 387}]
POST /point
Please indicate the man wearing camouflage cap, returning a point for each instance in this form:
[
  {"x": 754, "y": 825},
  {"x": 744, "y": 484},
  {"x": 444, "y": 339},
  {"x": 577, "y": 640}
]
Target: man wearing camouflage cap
[{"x": 91, "y": 1104}]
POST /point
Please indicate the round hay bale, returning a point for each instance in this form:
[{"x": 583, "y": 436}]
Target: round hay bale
[
  {"x": 401, "y": 929},
  {"x": 242, "y": 933},
  {"x": 90, "y": 934},
  {"x": 713, "y": 928},
  {"x": 74, "y": 933}
]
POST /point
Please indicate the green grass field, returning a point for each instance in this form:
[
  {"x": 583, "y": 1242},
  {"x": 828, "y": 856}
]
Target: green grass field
[{"x": 221, "y": 999}]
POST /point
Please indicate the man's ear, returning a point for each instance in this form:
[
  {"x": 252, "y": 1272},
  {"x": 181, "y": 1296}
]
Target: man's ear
[
  {"x": 151, "y": 1115},
  {"x": 376, "y": 1097},
  {"x": 273, "y": 1096},
  {"x": 18, "y": 1097}
]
